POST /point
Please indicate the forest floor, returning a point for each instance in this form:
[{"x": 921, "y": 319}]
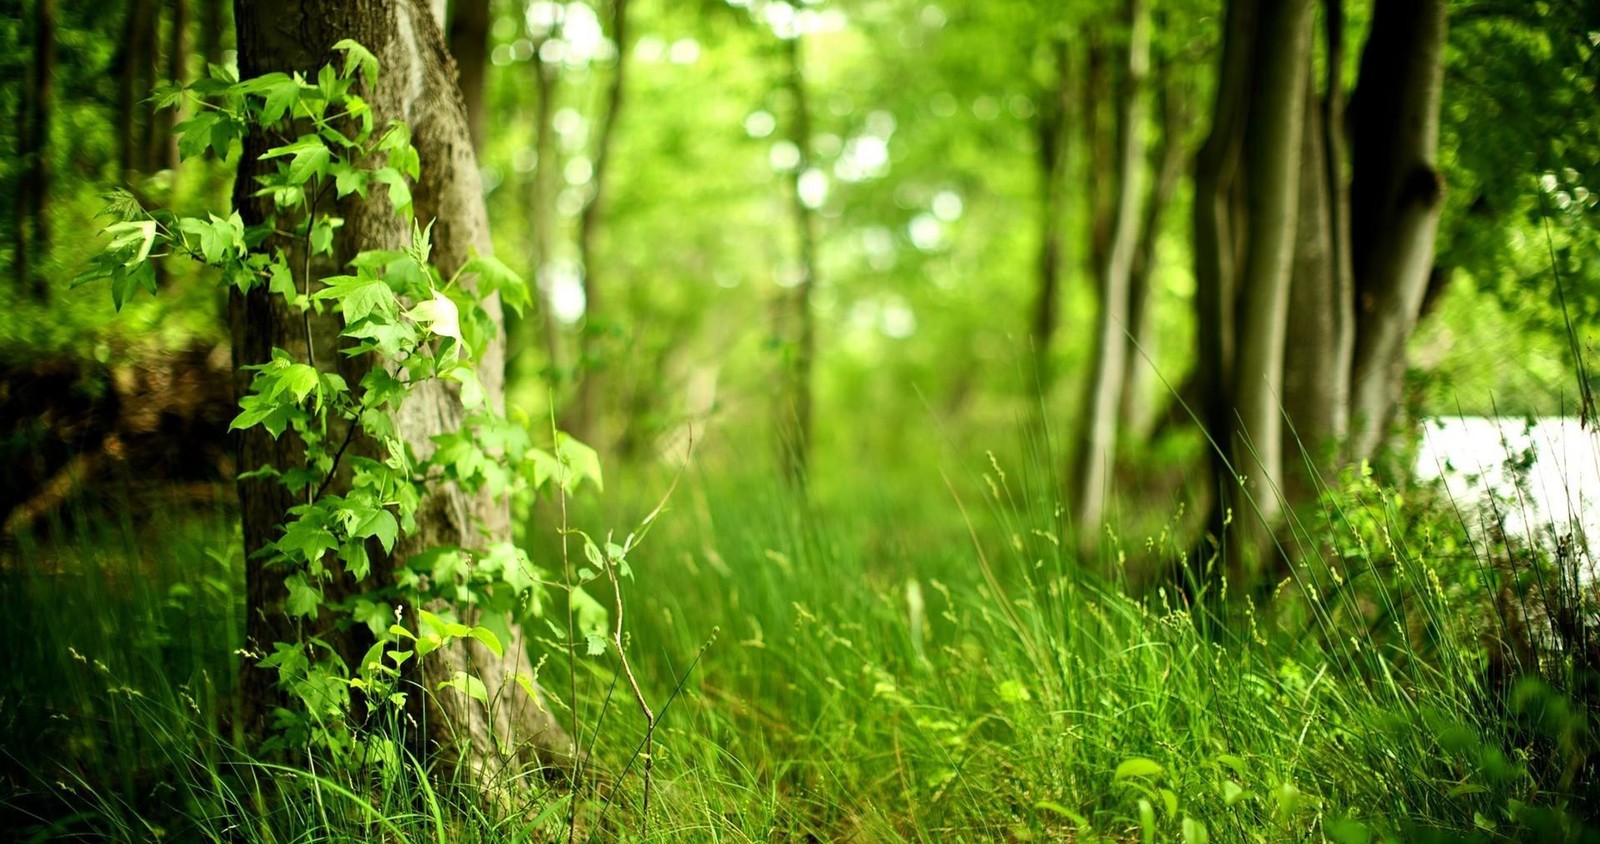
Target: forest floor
[{"x": 929, "y": 667}]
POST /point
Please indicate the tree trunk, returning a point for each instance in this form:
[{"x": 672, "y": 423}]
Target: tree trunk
[
  {"x": 134, "y": 65},
  {"x": 1052, "y": 130},
  {"x": 541, "y": 210},
  {"x": 213, "y": 29},
  {"x": 1217, "y": 220},
  {"x": 1395, "y": 199},
  {"x": 1272, "y": 171},
  {"x": 1316, "y": 379},
  {"x": 418, "y": 87},
  {"x": 178, "y": 74},
  {"x": 469, "y": 45},
  {"x": 1097, "y": 450},
  {"x": 794, "y": 413},
  {"x": 1097, "y": 119},
  {"x": 586, "y": 410},
  {"x": 152, "y": 135},
  {"x": 34, "y": 114},
  {"x": 1171, "y": 159}
]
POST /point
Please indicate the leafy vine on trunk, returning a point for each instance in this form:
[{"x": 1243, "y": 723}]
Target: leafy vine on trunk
[{"x": 374, "y": 587}]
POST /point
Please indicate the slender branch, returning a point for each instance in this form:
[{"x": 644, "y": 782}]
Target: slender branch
[
  {"x": 638, "y": 696},
  {"x": 349, "y": 435},
  {"x": 572, "y": 659},
  {"x": 305, "y": 313}
]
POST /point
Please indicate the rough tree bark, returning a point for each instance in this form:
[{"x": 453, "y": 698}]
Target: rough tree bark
[
  {"x": 418, "y": 86},
  {"x": 794, "y": 411},
  {"x": 34, "y": 115},
  {"x": 586, "y": 411},
  {"x": 1098, "y": 445}
]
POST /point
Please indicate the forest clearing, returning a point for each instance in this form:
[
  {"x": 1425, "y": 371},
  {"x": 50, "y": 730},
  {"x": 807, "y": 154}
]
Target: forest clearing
[{"x": 829, "y": 420}]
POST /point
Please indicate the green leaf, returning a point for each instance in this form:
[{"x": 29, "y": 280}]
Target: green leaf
[
  {"x": 591, "y": 615},
  {"x": 304, "y": 599},
  {"x": 300, "y": 380},
  {"x": 489, "y": 640},
  {"x": 195, "y": 134},
  {"x": 1232, "y": 793},
  {"x": 1234, "y": 762},
  {"x": 1347, "y": 831},
  {"x": 279, "y": 96},
  {"x": 1052, "y": 806},
  {"x": 308, "y": 537},
  {"x": 280, "y": 279},
  {"x": 356, "y": 56},
  {"x": 396, "y": 143},
  {"x": 358, "y": 296},
  {"x": 469, "y": 685},
  {"x": 379, "y": 523},
  {"x": 472, "y": 395},
  {"x": 275, "y": 416},
  {"x": 311, "y": 158},
  {"x": 596, "y": 644},
  {"x": 127, "y": 281},
  {"x": 135, "y": 236},
  {"x": 348, "y": 179},
  {"x": 1138, "y": 767},
  {"x": 526, "y": 682},
  {"x": 496, "y": 277},
  {"x": 580, "y": 461},
  {"x": 322, "y": 237},
  {"x": 1194, "y": 832},
  {"x": 399, "y": 191}
]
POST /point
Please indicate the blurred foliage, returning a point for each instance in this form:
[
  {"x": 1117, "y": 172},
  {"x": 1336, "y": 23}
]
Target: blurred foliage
[{"x": 925, "y": 141}]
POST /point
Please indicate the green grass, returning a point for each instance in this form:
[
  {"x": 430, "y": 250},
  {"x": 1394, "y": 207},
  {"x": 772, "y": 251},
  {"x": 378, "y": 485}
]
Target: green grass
[{"x": 883, "y": 665}]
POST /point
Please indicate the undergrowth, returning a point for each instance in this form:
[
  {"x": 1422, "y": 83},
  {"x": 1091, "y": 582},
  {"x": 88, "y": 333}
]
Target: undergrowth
[{"x": 845, "y": 671}]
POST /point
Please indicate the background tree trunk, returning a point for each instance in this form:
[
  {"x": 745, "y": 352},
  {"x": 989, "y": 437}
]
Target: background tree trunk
[
  {"x": 1217, "y": 221},
  {"x": 1317, "y": 360},
  {"x": 417, "y": 86},
  {"x": 469, "y": 45},
  {"x": 1098, "y": 445},
  {"x": 213, "y": 29},
  {"x": 134, "y": 65},
  {"x": 1052, "y": 134},
  {"x": 1396, "y": 196},
  {"x": 1272, "y": 174},
  {"x": 541, "y": 210},
  {"x": 34, "y": 114},
  {"x": 1098, "y": 121},
  {"x": 178, "y": 74},
  {"x": 1171, "y": 160},
  {"x": 794, "y": 412},
  {"x": 586, "y": 405}
]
